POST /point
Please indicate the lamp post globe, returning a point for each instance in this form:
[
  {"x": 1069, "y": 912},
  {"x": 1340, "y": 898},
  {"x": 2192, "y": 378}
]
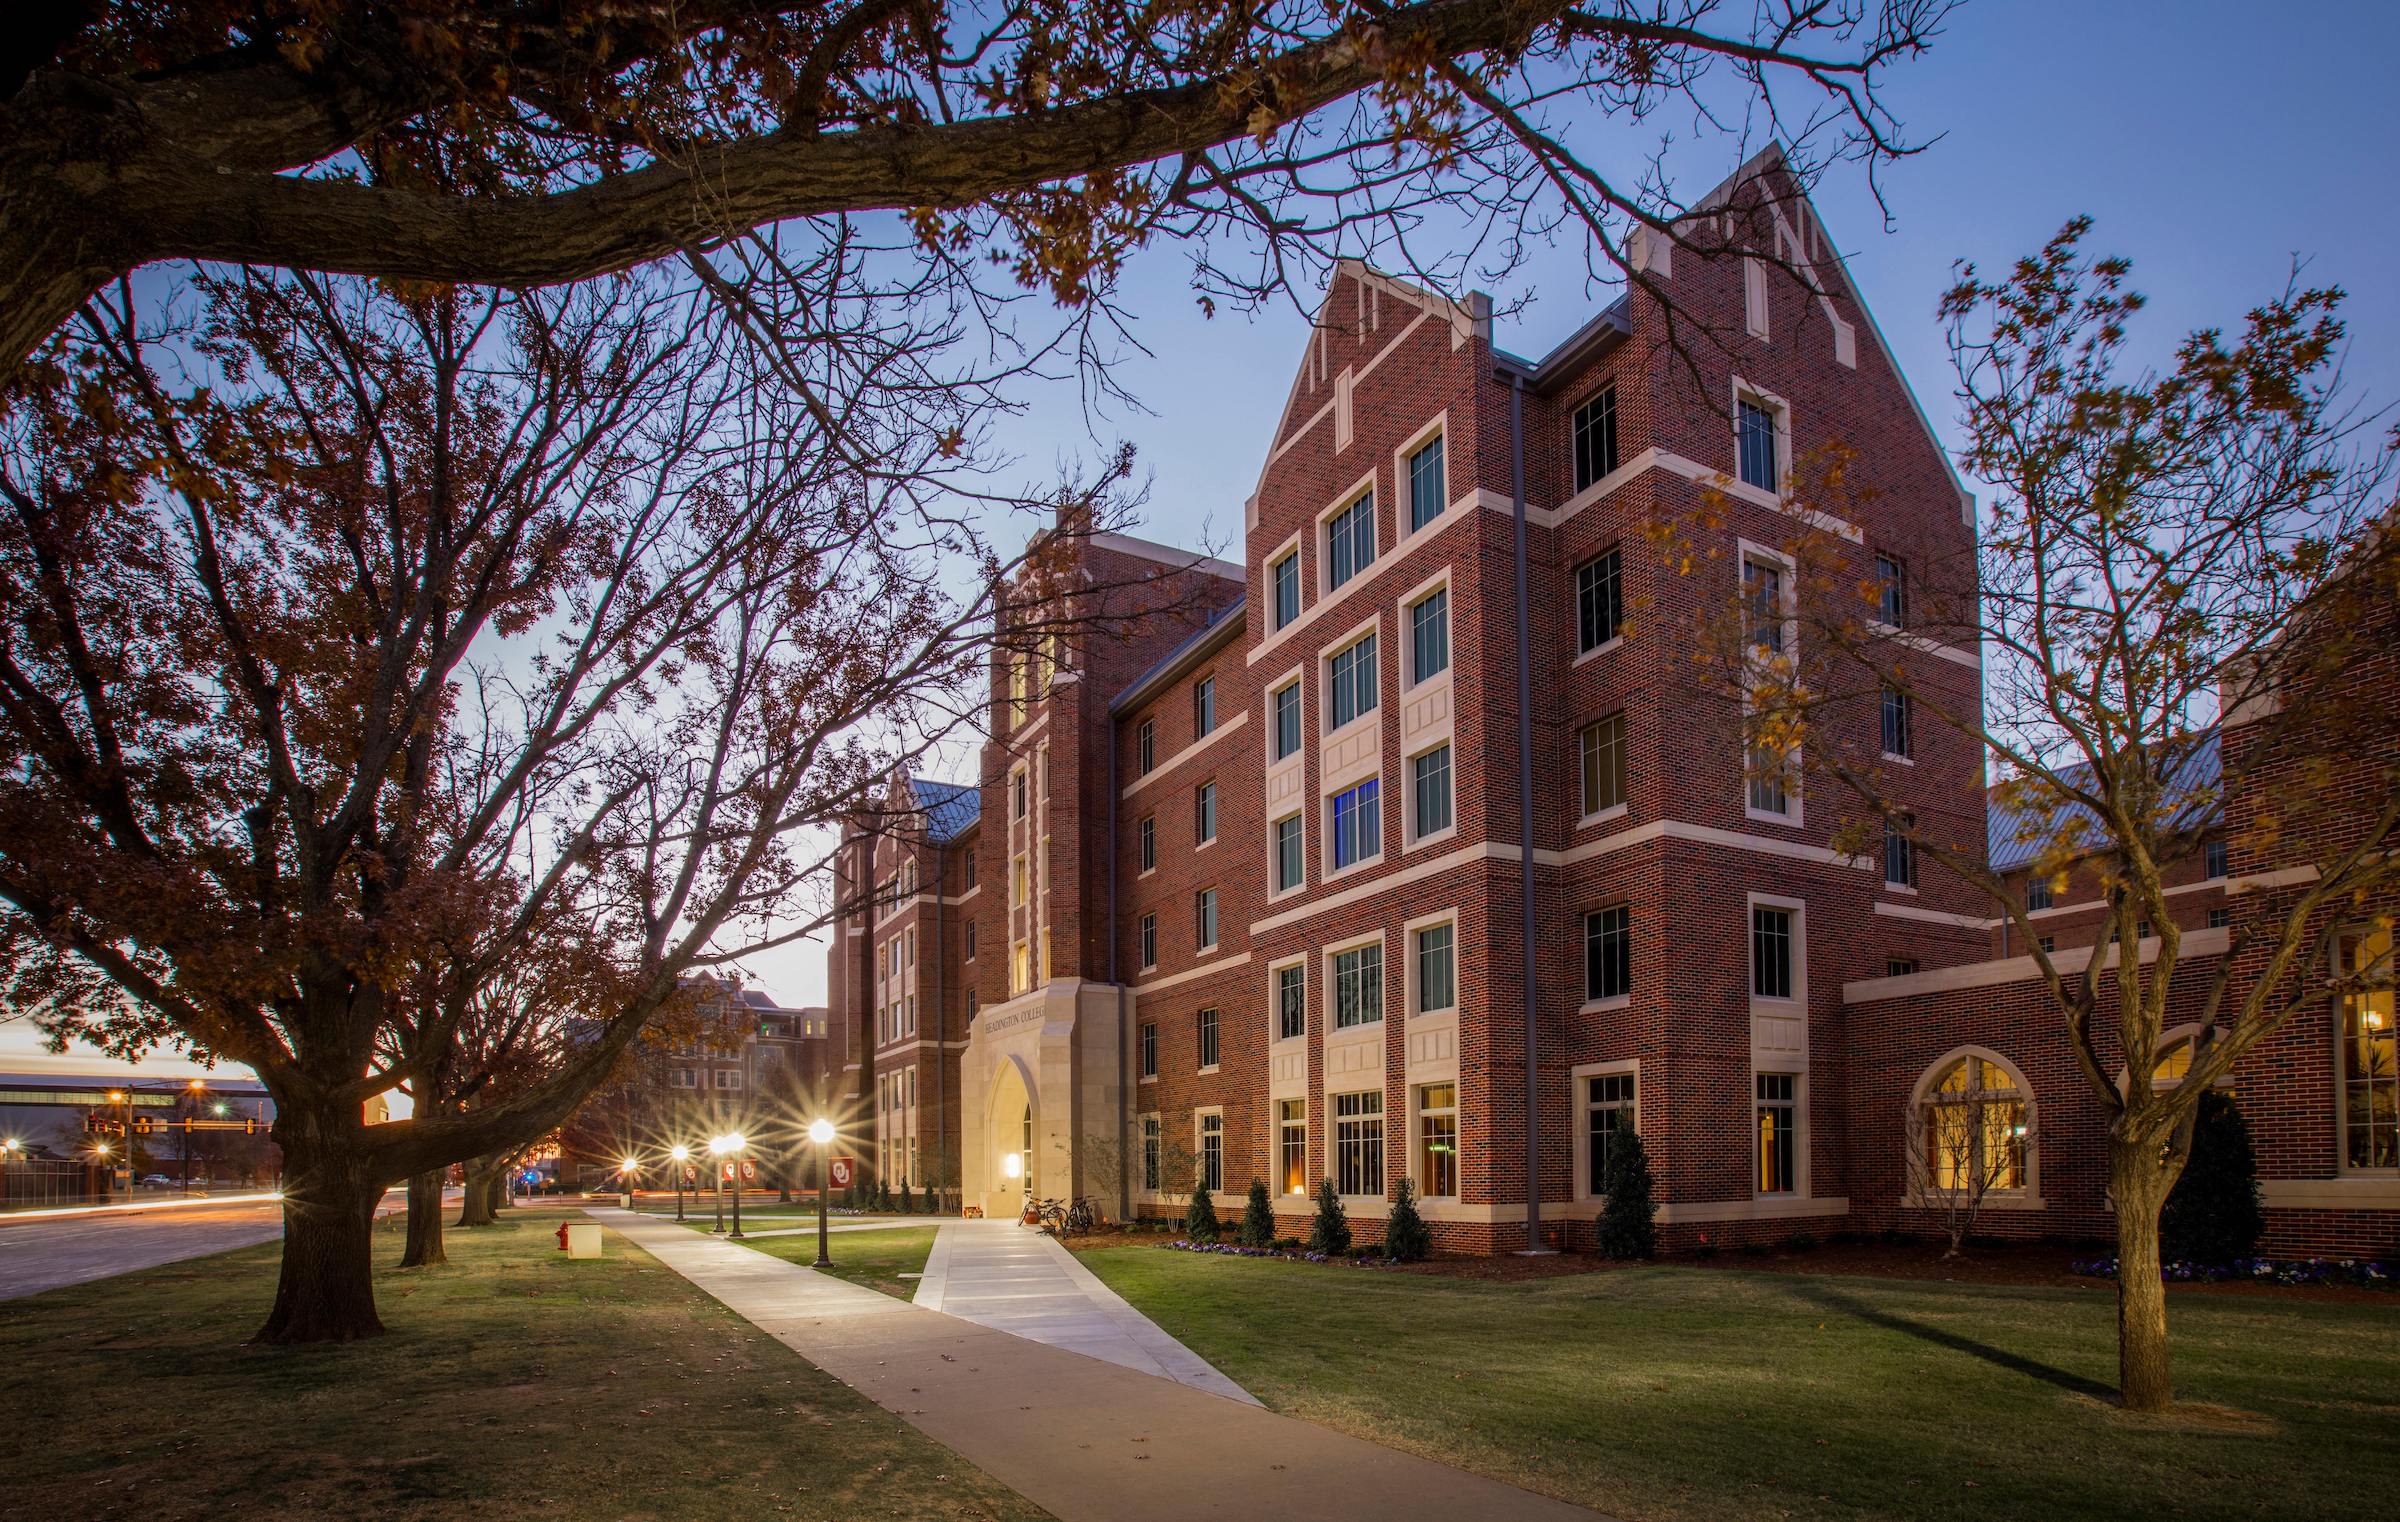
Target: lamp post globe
[
  {"x": 820, "y": 1131},
  {"x": 680, "y": 1155},
  {"x": 735, "y": 1142}
]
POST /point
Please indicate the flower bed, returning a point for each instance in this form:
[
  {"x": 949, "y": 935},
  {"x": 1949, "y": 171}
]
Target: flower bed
[
  {"x": 1228, "y": 1250},
  {"x": 2358, "y": 1272}
]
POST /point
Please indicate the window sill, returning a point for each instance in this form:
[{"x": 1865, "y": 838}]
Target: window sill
[
  {"x": 1204, "y": 845},
  {"x": 1204, "y": 1071},
  {"x": 1601, "y": 649},
  {"x": 1345, "y": 729},
  {"x": 1335, "y": 874},
  {"x": 1604, "y": 1006},
  {"x": 1434, "y": 839},
  {"x": 1208, "y": 948},
  {"x": 1760, "y": 816},
  {"x": 1278, "y": 895},
  {"x": 1147, "y": 1078},
  {"x": 1609, "y": 815},
  {"x": 1450, "y": 1010},
  {"x": 1145, "y": 872},
  {"x": 1362, "y": 1028},
  {"x": 1903, "y": 760},
  {"x": 1900, "y": 888}
]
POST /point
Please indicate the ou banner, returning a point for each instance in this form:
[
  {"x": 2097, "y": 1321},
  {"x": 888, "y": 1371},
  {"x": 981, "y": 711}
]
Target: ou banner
[
  {"x": 844, "y": 1172},
  {"x": 747, "y": 1174}
]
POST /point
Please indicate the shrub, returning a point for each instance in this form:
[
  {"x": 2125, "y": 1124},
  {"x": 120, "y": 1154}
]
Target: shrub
[
  {"x": 1329, "y": 1233},
  {"x": 883, "y": 1198},
  {"x": 1287, "y": 1244},
  {"x": 2212, "y": 1215},
  {"x": 1200, "y": 1218},
  {"x": 1801, "y": 1241},
  {"x": 1754, "y": 1249},
  {"x": 1258, "y": 1218},
  {"x": 1406, "y": 1238},
  {"x": 1628, "y": 1226},
  {"x": 908, "y": 1199}
]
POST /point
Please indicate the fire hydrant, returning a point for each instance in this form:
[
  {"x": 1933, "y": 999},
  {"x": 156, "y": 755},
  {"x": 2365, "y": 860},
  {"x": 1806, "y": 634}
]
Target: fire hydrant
[{"x": 562, "y": 1236}]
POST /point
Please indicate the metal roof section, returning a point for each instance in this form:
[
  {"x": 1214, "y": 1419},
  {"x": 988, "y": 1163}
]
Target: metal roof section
[
  {"x": 950, "y": 808},
  {"x": 2014, "y": 837},
  {"x": 1612, "y": 326},
  {"x": 1222, "y": 625}
]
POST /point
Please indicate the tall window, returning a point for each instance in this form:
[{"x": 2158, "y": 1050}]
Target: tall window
[
  {"x": 1430, "y": 777},
  {"x": 1353, "y": 681},
  {"x": 1357, "y": 823},
  {"x": 1020, "y": 968},
  {"x": 1208, "y": 1037},
  {"x": 1145, "y": 748},
  {"x": 1212, "y": 1153},
  {"x": 1769, "y": 780},
  {"x": 1608, "y": 953},
  {"x": 2370, "y": 1066},
  {"x": 1599, "y": 601},
  {"x": 1288, "y": 859},
  {"x": 1204, "y": 917},
  {"x": 1018, "y": 784},
  {"x": 1358, "y": 1143},
  {"x": 1427, "y": 494},
  {"x": 1602, "y": 748},
  {"x": 970, "y": 947},
  {"x": 1287, "y": 588},
  {"x": 1291, "y": 1145},
  {"x": 1899, "y": 854},
  {"x": 1147, "y": 830},
  {"x": 1762, "y": 606},
  {"x": 2215, "y": 858},
  {"x": 1204, "y": 705},
  {"x": 1150, "y": 939},
  {"x": 1429, "y": 637},
  {"x": 1897, "y": 740},
  {"x": 1150, "y": 1152},
  {"x": 1287, "y": 720},
  {"x": 1974, "y": 1128},
  {"x": 2037, "y": 893},
  {"x": 1291, "y": 1002},
  {"x": 1437, "y": 968},
  {"x": 1770, "y": 952},
  {"x": 1778, "y": 1133},
  {"x": 1358, "y": 986},
  {"x": 1595, "y": 438},
  {"x": 1755, "y": 431},
  {"x": 1891, "y": 584},
  {"x": 1204, "y": 812},
  {"x": 1150, "y": 1051},
  {"x": 1350, "y": 541},
  {"x": 1608, "y": 1113},
  {"x": 1437, "y": 1141}
]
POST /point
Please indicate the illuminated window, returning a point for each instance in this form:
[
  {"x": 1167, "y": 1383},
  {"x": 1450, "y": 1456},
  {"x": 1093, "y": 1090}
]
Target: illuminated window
[
  {"x": 1778, "y": 1133},
  {"x": 1292, "y": 1145},
  {"x": 2370, "y": 1114},
  {"x": 1973, "y": 1128},
  {"x": 1437, "y": 1140}
]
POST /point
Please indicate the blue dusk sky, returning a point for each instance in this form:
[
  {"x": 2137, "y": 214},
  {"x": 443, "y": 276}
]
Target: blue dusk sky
[{"x": 2214, "y": 143}]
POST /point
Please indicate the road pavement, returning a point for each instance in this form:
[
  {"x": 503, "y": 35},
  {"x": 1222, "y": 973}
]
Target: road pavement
[{"x": 38, "y": 1253}]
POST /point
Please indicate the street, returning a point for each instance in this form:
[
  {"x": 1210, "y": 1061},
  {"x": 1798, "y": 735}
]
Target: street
[{"x": 41, "y": 1254}]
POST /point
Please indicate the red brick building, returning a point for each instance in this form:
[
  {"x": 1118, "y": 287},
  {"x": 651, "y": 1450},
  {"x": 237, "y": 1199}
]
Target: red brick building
[{"x": 1245, "y": 895}]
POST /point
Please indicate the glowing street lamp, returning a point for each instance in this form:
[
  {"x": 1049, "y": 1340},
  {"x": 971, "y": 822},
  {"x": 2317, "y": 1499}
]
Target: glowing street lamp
[
  {"x": 680, "y": 1155},
  {"x": 820, "y": 1131},
  {"x": 735, "y": 1142},
  {"x": 626, "y": 1168}
]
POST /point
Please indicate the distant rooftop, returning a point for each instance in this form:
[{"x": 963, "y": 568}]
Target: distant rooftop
[
  {"x": 2013, "y": 837},
  {"x": 951, "y": 808},
  {"x": 1215, "y": 626}
]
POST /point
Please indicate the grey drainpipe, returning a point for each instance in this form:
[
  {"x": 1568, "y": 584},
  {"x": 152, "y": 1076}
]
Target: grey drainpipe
[
  {"x": 1533, "y": 1072},
  {"x": 941, "y": 1030},
  {"x": 1124, "y": 1013}
]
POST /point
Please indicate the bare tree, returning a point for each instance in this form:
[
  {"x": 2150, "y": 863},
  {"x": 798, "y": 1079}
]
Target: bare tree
[{"x": 2171, "y": 557}]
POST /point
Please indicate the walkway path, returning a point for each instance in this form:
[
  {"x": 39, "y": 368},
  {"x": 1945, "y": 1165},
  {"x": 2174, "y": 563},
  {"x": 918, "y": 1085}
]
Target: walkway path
[
  {"x": 1086, "y": 1440},
  {"x": 998, "y": 1274}
]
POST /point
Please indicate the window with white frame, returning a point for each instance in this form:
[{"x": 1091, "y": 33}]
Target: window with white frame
[
  {"x": 729, "y": 1078},
  {"x": 1426, "y": 487},
  {"x": 1018, "y": 792},
  {"x": 1437, "y": 968},
  {"x": 1350, "y": 675},
  {"x": 1763, "y": 610},
  {"x": 2037, "y": 893},
  {"x": 1609, "y": 1113},
  {"x": 1150, "y": 940},
  {"x": 1608, "y": 953},
  {"x": 1358, "y": 986},
  {"x": 1285, "y": 574},
  {"x": 1768, "y": 775},
  {"x": 1773, "y": 951},
  {"x": 1358, "y": 1143},
  {"x": 2370, "y": 1065},
  {"x": 1357, "y": 824},
  {"x": 1150, "y": 1152},
  {"x": 1778, "y": 1133},
  {"x": 1429, "y": 792},
  {"x": 1754, "y": 433},
  {"x": 1437, "y": 1141},
  {"x": 1349, "y": 541},
  {"x": 1594, "y": 437},
  {"x": 1897, "y": 739},
  {"x": 1429, "y": 636},
  {"x": 1899, "y": 853},
  {"x": 1149, "y": 1047},
  {"x": 1971, "y": 1129},
  {"x": 1287, "y": 720},
  {"x": 1601, "y": 753},
  {"x": 1204, "y": 813},
  {"x": 1147, "y": 833},
  {"x": 1204, "y": 918},
  {"x": 1212, "y": 1152},
  {"x": 1291, "y": 1145},
  {"x": 1291, "y": 1002},
  {"x": 1891, "y": 586},
  {"x": 1204, "y": 706},
  {"x": 1599, "y": 601},
  {"x": 1208, "y": 1036},
  {"x": 1290, "y": 861},
  {"x": 1145, "y": 748}
]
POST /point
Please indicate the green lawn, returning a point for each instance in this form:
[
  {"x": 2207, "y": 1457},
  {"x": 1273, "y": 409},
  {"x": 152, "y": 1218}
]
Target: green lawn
[
  {"x": 514, "y": 1383},
  {"x": 875, "y": 1259},
  {"x": 1696, "y": 1393}
]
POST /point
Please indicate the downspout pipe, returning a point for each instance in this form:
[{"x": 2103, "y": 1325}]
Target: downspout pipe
[
  {"x": 1124, "y": 1011},
  {"x": 1533, "y": 1070},
  {"x": 941, "y": 1024}
]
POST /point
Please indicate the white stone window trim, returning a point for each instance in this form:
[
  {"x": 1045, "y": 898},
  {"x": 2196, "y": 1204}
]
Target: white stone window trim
[
  {"x": 1579, "y": 1081},
  {"x": 1328, "y": 731},
  {"x": 1333, "y": 1121},
  {"x": 1311, "y": 611},
  {"x": 1427, "y": 745},
  {"x": 1414, "y": 1127},
  {"x": 1403, "y": 536},
  {"x": 1795, "y": 815},
  {"x": 1779, "y": 409},
  {"x": 1348, "y": 498},
  {"x": 1327, "y": 872},
  {"x": 2027, "y": 1196},
  {"x": 1292, "y": 678},
  {"x": 1799, "y": 910},
  {"x": 1331, "y": 953},
  {"x": 1603, "y": 648},
  {"x": 1290, "y": 546},
  {"x": 1275, "y": 970},
  {"x": 1408, "y": 951},
  {"x": 1275, "y": 894},
  {"x": 1403, "y": 616}
]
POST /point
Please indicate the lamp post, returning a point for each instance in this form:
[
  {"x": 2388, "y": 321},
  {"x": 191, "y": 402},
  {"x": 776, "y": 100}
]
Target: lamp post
[
  {"x": 716, "y": 1153},
  {"x": 681, "y": 1156},
  {"x": 124, "y": 1102},
  {"x": 820, "y": 1131},
  {"x": 10, "y": 1147},
  {"x": 626, "y": 1168},
  {"x": 735, "y": 1143}
]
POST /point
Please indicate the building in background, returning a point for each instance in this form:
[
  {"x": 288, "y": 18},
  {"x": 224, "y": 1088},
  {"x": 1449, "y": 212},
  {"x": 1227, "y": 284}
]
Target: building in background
[{"x": 205, "y": 1132}]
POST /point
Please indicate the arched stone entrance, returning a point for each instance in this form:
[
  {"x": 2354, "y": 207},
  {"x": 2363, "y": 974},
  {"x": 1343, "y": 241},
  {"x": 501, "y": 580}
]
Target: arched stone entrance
[
  {"x": 1042, "y": 1079},
  {"x": 1012, "y": 1165}
]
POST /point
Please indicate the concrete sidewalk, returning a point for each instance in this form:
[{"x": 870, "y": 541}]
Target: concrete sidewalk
[
  {"x": 1000, "y": 1275},
  {"x": 1086, "y": 1440}
]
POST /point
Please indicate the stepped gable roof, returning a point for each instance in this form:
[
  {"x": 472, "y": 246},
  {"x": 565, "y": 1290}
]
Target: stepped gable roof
[{"x": 2013, "y": 836}]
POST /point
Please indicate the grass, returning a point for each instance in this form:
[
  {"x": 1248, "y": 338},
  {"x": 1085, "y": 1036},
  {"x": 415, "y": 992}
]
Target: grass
[
  {"x": 1690, "y": 1393},
  {"x": 513, "y": 1383},
  {"x": 875, "y": 1259}
]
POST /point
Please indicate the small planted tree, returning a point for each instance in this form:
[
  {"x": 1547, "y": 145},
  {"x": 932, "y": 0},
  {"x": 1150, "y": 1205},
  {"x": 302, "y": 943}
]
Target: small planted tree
[
  {"x": 1960, "y": 1150},
  {"x": 2213, "y": 1213},
  {"x": 1329, "y": 1233},
  {"x": 1628, "y": 1226},
  {"x": 908, "y": 1199},
  {"x": 1200, "y": 1221},
  {"x": 1406, "y": 1238},
  {"x": 1258, "y": 1218}
]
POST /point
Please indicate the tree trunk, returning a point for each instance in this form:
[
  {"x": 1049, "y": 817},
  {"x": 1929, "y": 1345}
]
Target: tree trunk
[
  {"x": 504, "y": 1188},
  {"x": 327, "y": 1289},
  {"x": 475, "y": 1209},
  {"x": 2143, "y": 1383},
  {"x": 425, "y": 1221}
]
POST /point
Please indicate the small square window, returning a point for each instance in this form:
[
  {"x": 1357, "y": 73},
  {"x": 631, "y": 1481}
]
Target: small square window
[
  {"x": 2049, "y": 943},
  {"x": 1899, "y": 967},
  {"x": 2219, "y": 918}
]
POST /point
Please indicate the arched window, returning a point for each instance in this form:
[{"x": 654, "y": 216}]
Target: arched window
[
  {"x": 2176, "y": 1045},
  {"x": 1974, "y": 1126}
]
